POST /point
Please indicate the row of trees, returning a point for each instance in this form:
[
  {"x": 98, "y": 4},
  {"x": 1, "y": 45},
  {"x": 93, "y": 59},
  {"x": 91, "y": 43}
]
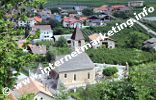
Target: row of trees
[{"x": 120, "y": 56}]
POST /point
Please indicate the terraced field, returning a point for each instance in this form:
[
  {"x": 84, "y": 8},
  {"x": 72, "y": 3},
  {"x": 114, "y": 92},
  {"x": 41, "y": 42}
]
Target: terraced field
[{"x": 55, "y": 3}]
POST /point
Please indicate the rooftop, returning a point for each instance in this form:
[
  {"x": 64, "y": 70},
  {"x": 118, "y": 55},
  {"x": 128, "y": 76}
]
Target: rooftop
[
  {"x": 77, "y": 35},
  {"x": 80, "y": 62},
  {"x": 41, "y": 27}
]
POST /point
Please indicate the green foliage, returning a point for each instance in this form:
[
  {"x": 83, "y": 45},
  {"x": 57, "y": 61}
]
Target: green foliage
[
  {"x": 54, "y": 23},
  {"x": 87, "y": 12},
  {"x": 143, "y": 76},
  {"x": 62, "y": 42},
  {"x": 50, "y": 57},
  {"x": 63, "y": 94},
  {"x": 12, "y": 57},
  {"x": 135, "y": 40},
  {"x": 55, "y": 10},
  {"x": 47, "y": 43},
  {"x": 120, "y": 56},
  {"x": 60, "y": 50},
  {"x": 123, "y": 14},
  {"x": 105, "y": 90},
  {"x": 27, "y": 97},
  {"x": 60, "y": 30},
  {"x": 110, "y": 71}
]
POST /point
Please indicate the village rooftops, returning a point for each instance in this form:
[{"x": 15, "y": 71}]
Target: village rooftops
[
  {"x": 102, "y": 8},
  {"x": 80, "y": 62},
  {"x": 77, "y": 35},
  {"x": 72, "y": 20},
  {"x": 95, "y": 36},
  {"x": 41, "y": 49},
  {"x": 41, "y": 27},
  {"x": 32, "y": 87},
  {"x": 118, "y": 7}
]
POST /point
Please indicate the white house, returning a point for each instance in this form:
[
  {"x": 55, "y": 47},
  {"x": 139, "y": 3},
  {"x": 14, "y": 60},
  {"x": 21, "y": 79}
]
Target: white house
[
  {"x": 136, "y": 3},
  {"x": 46, "y": 33}
]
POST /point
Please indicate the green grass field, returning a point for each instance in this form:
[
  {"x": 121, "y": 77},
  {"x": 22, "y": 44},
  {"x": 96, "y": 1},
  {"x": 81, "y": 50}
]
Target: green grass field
[{"x": 55, "y": 3}]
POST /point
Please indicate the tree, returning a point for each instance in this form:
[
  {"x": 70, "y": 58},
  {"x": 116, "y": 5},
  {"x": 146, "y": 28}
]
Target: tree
[
  {"x": 136, "y": 39},
  {"x": 109, "y": 71},
  {"x": 55, "y": 10},
  {"x": 50, "y": 57},
  {"x": 63, "y": 94},
  {"x": 11, "y": 57},
  {"x": 87, "y": 12},
  {"x": 41, "y": 6},
  {"x": 106, "y": 90},
  {"x": 54, "y": 23},
  {"x": 62, "y": 42}
]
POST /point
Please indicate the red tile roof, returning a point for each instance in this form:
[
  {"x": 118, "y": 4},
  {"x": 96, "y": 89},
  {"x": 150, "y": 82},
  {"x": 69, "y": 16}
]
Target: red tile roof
[
  {"x": 38, "y": 19},
  {"x": 102, "y": 8},
  {"x": 116, "y": 7},
  {"x": 73, "y": 20}
]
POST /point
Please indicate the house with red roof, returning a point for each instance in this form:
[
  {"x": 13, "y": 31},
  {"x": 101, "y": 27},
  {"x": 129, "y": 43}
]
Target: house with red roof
[
  {"x": 119, "y": 7},
  {"x": 103, "y": 8},
  {"x": 73, "y": 22}
]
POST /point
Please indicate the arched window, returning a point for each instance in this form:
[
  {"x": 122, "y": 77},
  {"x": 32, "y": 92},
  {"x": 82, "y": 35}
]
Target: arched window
[
  {"x": 74, "y": 77},
  {"x": 88, "y": 75},
  {"x": 79, "y": 43}
]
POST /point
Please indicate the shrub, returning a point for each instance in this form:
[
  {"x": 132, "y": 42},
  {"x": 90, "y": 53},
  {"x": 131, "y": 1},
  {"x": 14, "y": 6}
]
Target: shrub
[
  {"x": 110, "y": 71},
  {"x": 62, "y": 42}
]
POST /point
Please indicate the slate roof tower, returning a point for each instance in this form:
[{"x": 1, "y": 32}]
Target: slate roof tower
[{"x": 77, "y": 39}]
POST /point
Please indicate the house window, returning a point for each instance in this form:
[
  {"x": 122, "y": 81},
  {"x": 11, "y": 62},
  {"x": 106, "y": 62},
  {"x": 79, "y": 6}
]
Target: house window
[
  {"x": 65, "y": 75},
  {"x": 88, "y": 75},
  {"x": 74, "y": 77}
]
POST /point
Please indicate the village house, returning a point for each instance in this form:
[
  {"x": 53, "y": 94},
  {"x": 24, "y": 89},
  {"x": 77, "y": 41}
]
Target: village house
[
  {"x": 77, "y": 72},
  {"x": 73, "y": 22},
  {"x": 79, "y": 9},
  {"x": 40, "y": 91},
  {"x": 135, "y": 3},
  {"x": 30, "y": 22},
  {"x": 150, "y": 44},
  {"x": 34, "y": 49},
  {"x": 103, "y": 8},
  {"x": 95, "y": 21},
  {"x": 107, "y": 43},
  {"x": 45, "y": 14},
  {"x": 119, "y": 7},
  {"x": 46, "y": 33}
]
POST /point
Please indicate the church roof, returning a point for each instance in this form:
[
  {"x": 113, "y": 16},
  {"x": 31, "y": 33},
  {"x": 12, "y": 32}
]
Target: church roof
[
  {"x": 80, "y": 62},
  {"x": 77, "y": 35}
]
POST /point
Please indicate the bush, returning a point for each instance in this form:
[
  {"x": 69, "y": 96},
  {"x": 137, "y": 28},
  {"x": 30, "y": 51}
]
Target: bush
[
  {"x": 87, "y": 12},
  {"x": 110, "y": 71},
  {"x": 62, "y": 42}
]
